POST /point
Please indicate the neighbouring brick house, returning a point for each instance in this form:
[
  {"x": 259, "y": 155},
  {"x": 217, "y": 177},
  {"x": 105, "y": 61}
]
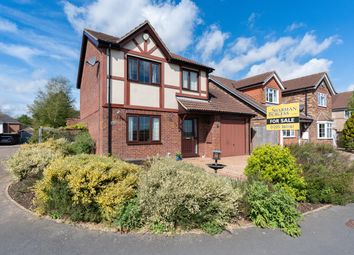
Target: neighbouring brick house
[
  {"x": 9, "y": 125},
  {"x": 138, "y": 99},
  {"x": 257, "y": 92},
  {"x": 315, "y": 93},
  {"x": 340, "y": 111},
  {"x": 266, "y": 89}
]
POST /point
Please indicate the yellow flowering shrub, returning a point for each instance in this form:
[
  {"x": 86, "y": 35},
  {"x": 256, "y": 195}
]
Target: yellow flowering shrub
[
  {"x": 86, "y": 187},
  {"x": 31, "y": 159}
]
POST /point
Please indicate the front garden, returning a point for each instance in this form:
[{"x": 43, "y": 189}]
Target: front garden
[{"x": 63, "y": 181}]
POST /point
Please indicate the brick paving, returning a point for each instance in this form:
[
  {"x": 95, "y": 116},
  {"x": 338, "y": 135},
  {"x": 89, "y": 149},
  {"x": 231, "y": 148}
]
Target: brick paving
[{"x": 234, "y": 165}]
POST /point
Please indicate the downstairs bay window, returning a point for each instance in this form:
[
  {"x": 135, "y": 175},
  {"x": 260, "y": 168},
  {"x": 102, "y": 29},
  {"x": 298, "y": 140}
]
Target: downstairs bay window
[
  {"x": 143, "y": 129},
  {"x": 324, "y": 130}
]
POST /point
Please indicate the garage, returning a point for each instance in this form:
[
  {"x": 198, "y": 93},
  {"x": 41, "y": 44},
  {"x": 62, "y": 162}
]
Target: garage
[{"x": 234, "y": 137}]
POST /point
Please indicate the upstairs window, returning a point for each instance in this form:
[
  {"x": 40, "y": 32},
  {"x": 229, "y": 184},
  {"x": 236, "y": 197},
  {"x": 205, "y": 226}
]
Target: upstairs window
[
  {"x": 272, "y": 96},
  {"x": 347, "y": 114},
  {"x": 190, "y": 80},
  {"x": 143, "y": 71},
  {"x": 143, "y": 129},
  {"x": 322, "y": 99},
  {"x": 324, "y": 130},
  {"x": 288, "y": 133}
]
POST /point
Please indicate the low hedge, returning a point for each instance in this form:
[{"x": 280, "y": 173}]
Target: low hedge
[
  {"x": 86, "y": 188},
  {"x": 31, "y": 159},
  {"x": 329, "y": 175},
  {"x": 175, "y": 194}
]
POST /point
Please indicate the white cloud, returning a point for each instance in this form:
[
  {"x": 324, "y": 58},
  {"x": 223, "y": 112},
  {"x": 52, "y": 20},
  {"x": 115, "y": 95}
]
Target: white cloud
[
  {"x": 22, "y": 52},
  {"x": 175, "y": 22},
  {"x": 18, "y": 89},
  {"x": 350, "y": 87},
  {"x": 211, "y": 42},
  {"x": 7, "y": 26},
  {"x": 295, "y": 26},
  {"x": 309, "y": 45},
  {"x": 243, "y": 44},
  {"x": 234, "y": 63},
  {"x": 291, "y": 69},
  {"x": 289, "y": 56},
  {"x": 252, "y": 20}
]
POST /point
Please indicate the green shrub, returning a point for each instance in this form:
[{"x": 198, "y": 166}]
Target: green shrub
[
  {"x": 276, "y": 165},
  {"x": 273, "y": 208},
  {"x": 86, "y": 187},
  {"x": 54, "y": 133},
  {"x": 129, "y": 216},
  {"x": 176, "y": 194},
  {"x": 347, "y": 137},
  {"x": 329, "y": 175},
  {"x": 31, "y": 159},
  {"x": 83, "y": 143},
  {"x": 77, "y": 126}
]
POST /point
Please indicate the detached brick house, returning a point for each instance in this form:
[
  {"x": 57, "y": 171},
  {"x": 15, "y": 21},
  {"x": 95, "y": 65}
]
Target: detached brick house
[
  {"x": 139, "y": 99},
  {"x": 340, "y": 111},
  {"x": 315, "y": 93}
]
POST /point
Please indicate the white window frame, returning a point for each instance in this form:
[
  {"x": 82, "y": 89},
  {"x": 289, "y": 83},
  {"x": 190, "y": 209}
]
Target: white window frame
[
  {"x": 288, "y": 133},
  {"x": 274, "y": 93},
  {"x": 327, "y": 125},
  {"x": 347, "y": 114},
  {"x": 321, "y": 99}
]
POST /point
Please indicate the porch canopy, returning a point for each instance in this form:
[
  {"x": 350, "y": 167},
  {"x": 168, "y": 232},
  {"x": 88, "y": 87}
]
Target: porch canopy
[{"x": 219, "y": 102}]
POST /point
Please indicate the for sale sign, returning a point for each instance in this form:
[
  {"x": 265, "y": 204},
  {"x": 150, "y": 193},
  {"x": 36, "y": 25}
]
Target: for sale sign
[{"x": 283, "y": 117}]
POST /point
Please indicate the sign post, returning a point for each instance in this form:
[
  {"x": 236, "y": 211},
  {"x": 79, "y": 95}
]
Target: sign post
[{"x": 283, "y": 117}]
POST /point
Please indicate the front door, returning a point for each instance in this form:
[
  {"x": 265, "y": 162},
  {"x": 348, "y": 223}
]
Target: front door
[{"x": 190, "y": 138}]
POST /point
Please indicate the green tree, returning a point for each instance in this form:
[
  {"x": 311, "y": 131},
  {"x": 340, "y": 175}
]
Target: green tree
[
  {"x": 54, "y": 104},
  {"x": 351, "y": 103},
  {"x": 348, "y": 134},
  {"x": 25, "y": 119}
]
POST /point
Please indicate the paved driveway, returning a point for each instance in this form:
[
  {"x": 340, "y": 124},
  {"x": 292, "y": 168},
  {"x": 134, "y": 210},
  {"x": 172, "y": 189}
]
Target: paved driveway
[
  {"x": 234, "y": 166},
  {"x": 21, "y": 233}
]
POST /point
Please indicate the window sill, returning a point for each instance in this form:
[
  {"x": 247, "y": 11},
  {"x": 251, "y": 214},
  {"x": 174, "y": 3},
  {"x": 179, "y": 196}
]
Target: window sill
[
  {"x": 286, "y": 137},
  {"x": 143, "y": 83},
  {"x": 322, "y": 106},
  {"x": 272, "y": 103},
  {"x": 190, "y": 90},
  {"x": 142, "y": 143},
  {"x": 324, "y": 138}
]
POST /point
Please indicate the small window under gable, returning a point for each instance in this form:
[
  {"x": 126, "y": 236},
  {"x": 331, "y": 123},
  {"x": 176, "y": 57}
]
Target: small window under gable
[
  {"x": 322, "y": 99},
  {"x": 272, "y": 96}
]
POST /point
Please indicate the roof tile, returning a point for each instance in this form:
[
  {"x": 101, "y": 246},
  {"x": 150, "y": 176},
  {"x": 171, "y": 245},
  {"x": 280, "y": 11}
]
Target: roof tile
[
  {"x": 341, "y": 100},
  {"x": 220, "y": 101}
]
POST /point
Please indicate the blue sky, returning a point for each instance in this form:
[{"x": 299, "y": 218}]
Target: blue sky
[{"x": 41, "y": 39}]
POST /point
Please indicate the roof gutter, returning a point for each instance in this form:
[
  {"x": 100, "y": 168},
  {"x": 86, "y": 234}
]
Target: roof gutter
[{"x": 239, "y": 96}]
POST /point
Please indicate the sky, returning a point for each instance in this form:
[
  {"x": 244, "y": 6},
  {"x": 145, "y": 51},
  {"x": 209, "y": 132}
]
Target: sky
[{"x": 42, "y": 39}]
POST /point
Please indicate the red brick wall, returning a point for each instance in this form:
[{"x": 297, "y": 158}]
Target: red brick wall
[
  {"x": 258, "y": 93},
  {"x": 170, "y": 135},
  {"x": 209, "y": 135},
  {"x": 91, "y": 94},
  {"x": 316, "y": 112}
]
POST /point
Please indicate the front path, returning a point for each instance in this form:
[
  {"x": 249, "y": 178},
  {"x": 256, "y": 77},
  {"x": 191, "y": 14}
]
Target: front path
[{"x": 324, "y": 232}]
